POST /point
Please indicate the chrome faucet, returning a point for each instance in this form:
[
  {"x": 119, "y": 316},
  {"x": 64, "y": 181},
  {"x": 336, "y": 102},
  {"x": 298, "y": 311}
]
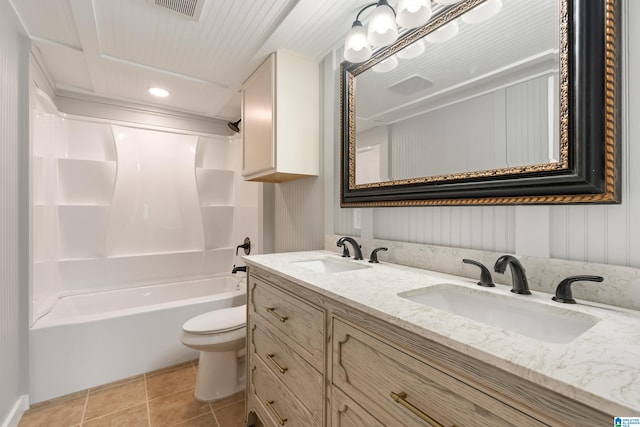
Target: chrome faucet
[
  {"x": 519, "y": 279},
  {"x": 357, "y": 253}
]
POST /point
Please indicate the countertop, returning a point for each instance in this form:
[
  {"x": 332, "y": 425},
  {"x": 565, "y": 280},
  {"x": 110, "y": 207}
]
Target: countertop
[{"x": 600, "y": 368}]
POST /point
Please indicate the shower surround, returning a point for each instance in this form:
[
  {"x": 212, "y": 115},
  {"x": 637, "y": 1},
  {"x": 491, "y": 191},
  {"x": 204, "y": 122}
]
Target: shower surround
[{"x": 116, "y": 207}]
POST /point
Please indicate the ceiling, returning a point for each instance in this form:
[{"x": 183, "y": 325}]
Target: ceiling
[{"x": 117, "y": 49}]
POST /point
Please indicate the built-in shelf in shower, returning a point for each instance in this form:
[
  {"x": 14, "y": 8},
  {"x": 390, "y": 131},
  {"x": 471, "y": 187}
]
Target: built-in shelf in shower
[{"x": 86, "y": 181}]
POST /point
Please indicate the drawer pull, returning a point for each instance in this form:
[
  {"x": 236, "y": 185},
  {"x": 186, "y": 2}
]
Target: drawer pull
[
  {"x": 280, "y": 368},
  {"x": 280, "y": 419},
  {"x": 400, "y": 398},
  {"x": 273, "y": 311}
]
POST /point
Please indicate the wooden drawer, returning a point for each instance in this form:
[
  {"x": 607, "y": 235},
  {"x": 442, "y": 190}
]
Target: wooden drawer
[
  {"x": 298, "y": 324},
  {"x": 369, "y": 371},
  {"x": 276, "y": 400},
  {"x": 346, "y": 413},
  {"x": 297, "y": 375}
]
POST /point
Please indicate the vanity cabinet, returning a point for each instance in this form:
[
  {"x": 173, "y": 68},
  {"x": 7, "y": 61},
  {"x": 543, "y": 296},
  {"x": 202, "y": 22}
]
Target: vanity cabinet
[
  {"x": 280, "y": 119},
  {"x": 317, "y": 361},
  {"x": 286, "y": 355}
]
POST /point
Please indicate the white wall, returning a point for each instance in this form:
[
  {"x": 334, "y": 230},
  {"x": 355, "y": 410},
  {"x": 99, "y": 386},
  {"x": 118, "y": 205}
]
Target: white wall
[
  {"x": 608, "y": 234},
  {"x": 14, "y": 62}
]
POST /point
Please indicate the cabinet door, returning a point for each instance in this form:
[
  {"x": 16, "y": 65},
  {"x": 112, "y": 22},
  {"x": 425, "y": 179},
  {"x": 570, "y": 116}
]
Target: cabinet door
[{"x": 257, "y": 120}]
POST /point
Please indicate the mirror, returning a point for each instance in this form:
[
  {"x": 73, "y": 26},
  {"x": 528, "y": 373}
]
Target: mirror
[{"x": 491, "y": 102}]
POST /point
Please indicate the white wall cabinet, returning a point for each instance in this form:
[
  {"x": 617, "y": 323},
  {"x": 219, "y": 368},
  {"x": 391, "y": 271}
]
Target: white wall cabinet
[{"x": 280, "y": 119}]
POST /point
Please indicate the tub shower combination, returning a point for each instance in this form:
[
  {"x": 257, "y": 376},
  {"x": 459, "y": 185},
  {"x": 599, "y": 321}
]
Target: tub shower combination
[
  {"x": 91, "y": 339},
  {"x": 134, "y": 232}
]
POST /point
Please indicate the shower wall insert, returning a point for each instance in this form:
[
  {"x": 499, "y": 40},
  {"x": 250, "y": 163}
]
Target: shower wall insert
[{"x": 119, "y": 206}]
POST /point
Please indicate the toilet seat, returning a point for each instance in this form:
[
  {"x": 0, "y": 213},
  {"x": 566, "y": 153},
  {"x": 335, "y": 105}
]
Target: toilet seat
[{"x": 217, "y": 321}]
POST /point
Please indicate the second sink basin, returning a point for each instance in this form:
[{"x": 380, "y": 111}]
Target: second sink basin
[
  {"x": 515, "y": 314},
  {"x": 328, "y": 265}
]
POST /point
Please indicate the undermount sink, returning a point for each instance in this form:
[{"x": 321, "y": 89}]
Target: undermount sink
[
  {"x": 328, "y": 265},
  {"x": 516, "y": 314}
]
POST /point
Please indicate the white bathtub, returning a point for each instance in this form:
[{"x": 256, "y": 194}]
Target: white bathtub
[{"x": 92, "y": 339}]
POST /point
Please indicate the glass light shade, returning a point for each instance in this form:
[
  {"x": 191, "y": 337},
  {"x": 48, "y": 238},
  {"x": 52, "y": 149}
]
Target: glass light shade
[
  {"x": 448, "y": 2},
  {"x": 356, "y": 47},
  {"x": 444, "y": 33},
  {"x": 387, "y": 65},
  {"x": 482, "y": 12},
  {"x": 414, "y": 50},
  {"x": 383, "y": 29},
  {"x": 413, "y": 13}
]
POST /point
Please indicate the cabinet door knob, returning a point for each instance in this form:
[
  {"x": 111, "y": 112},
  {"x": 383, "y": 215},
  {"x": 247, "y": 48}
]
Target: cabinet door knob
[
  {"x": 401, "y": 399},
  {"x": 272, "y": 310},
  {"x": 282, "y": 370},
  {"x": 281, "y": 420}
]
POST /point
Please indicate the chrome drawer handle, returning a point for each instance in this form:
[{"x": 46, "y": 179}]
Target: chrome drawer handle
[
  {"x": 272, "y": 310},
  {"x": 280, "y": 419},
  {"x": 400, "y": 398},
  {"x": 282, "y": 370}
]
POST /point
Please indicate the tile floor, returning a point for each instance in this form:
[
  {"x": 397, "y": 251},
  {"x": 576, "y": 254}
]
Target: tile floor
[{"x": 161, "y": 398}]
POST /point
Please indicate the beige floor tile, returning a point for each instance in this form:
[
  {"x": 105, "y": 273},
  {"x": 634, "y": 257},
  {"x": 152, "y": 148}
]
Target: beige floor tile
[
  {"x": 169, "y": 368},
  {"x": 172, "y": 381},
  {"x": 205, "y": 420},
  {"x": 62, "y": 413},
  {"x": 108, "y": 400},
  {"x": 231, "y": 415},
  {"x": 228, "y": 400},
  {"x": 176, "y": 408},
  {"x": 133, "y": 417}
]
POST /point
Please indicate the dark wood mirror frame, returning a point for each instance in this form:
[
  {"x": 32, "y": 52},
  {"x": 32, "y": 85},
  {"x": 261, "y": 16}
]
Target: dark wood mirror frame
[{"x": 589, "y": 128}]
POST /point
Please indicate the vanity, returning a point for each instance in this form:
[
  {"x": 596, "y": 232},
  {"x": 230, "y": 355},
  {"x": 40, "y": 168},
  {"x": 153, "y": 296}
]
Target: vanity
[{"x": 334, "y": 341}]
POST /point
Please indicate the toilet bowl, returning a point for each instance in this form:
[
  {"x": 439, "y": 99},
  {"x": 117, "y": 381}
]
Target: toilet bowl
[{"x": 219, "y": 335}]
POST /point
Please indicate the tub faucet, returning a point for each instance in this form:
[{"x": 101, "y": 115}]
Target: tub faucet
[
  {"x": 236, "y": 269},
  {"x": 519, "y": 279},
  {"x": 357, "y": 253}
]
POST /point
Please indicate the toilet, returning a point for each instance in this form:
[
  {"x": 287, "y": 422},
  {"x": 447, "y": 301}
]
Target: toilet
[{"x": 220, "y": 335}]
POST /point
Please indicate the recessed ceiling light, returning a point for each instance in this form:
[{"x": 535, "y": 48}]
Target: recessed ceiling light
[{"x": 159, "y": 92}]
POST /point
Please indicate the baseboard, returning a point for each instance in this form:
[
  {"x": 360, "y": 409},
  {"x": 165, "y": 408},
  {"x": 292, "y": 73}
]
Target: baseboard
[{"x": 15, "y": 414}]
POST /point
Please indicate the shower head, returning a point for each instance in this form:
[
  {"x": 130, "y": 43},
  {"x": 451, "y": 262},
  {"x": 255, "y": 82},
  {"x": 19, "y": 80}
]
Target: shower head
[{"x": 234, "y": 125}]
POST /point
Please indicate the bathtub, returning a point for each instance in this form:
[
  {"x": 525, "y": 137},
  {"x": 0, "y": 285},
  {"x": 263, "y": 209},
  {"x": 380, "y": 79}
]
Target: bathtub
[{"x": 92, "y": 339}]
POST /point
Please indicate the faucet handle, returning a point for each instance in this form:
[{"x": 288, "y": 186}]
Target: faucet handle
[
  {"x": 374, "y": 255},
  {"x": 345, "y": 251},
  {"x": 563, "y": 291},
  {"x": 485, "y": 275},
  {"x": 246, "y": 246}
]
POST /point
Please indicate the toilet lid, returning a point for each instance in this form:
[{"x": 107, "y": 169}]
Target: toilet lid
[{"x": 223, "y": 320}]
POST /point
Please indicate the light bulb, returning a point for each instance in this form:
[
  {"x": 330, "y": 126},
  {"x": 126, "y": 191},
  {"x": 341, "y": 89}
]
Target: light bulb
[
  {"x": 356, "y": 47},
  {"x": 383, "y": 29},
  {"x": 159, "y": 92},
  {"x": 413, "y": 13}
]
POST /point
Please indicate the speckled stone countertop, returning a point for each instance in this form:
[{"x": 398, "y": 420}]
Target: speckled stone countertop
[{"x": 600, "y": 368}]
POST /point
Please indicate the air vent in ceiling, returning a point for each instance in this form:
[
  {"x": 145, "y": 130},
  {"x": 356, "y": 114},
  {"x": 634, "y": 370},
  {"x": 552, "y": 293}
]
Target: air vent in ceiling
[
  {"x": 411, "y": 85},
  {"x": 186, "y": 8}
]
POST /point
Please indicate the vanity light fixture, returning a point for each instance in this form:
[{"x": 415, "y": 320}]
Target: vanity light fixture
[
  {"x": 383, "y": 26},
  {"x": 159, "y": 92}
]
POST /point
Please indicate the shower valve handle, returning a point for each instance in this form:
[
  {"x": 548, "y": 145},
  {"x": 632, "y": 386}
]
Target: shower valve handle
[{"x": 246, "y": 246}]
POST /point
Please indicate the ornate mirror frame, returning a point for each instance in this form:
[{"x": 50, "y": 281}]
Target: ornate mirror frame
[{"x": 589, "y": 154}]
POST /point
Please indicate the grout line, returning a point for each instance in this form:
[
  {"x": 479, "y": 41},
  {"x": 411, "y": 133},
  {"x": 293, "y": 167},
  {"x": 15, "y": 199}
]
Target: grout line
[
  {"x": 84, "y": 409},
  {"x": 146, "y": 400}
]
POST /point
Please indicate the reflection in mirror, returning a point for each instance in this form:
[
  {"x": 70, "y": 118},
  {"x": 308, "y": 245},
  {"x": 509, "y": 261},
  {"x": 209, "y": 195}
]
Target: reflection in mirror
[{"x": 492, "y": 103}]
